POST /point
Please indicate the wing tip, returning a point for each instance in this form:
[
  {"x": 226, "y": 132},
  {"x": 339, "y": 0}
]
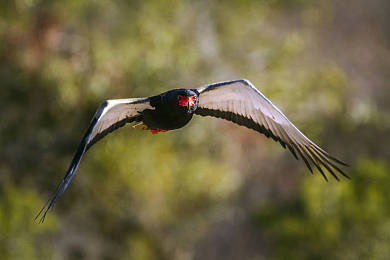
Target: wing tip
[
  {"x": 339, "y": 161},
  {"x": 48, "y": 205}
]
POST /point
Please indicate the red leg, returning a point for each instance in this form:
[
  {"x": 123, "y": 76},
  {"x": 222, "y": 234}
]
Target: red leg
[{"x": 157, "y": 131}]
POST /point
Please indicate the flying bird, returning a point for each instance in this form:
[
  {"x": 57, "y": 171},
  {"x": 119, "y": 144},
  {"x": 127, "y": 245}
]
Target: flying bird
[{"x": 237, "y": 101}]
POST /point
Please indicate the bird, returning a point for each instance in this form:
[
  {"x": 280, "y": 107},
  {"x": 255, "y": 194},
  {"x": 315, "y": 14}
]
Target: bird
[{"x": 238, "y": 101}]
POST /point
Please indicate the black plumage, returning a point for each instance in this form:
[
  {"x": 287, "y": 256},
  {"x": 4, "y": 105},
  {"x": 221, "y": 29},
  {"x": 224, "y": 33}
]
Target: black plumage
[{"x": 237, "y": 101}]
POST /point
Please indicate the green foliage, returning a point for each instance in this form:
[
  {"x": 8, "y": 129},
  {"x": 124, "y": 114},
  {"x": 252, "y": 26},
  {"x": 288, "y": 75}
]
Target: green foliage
[
  {"x": 345, "y": 221},
  {"x": 17, "y": 228},
  {"x": 188, "y": 194}
]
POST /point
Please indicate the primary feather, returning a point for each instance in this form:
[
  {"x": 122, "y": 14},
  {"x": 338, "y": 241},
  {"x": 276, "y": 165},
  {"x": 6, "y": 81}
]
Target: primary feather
[
  {"x": 240, "y": 102},
  {"x": 109, "y": 116}
]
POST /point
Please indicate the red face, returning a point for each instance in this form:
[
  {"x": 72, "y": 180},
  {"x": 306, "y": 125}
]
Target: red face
[{"x": 187, "y": 101}]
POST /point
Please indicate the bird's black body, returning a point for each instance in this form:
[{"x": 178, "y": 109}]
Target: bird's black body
[
  {"x": 237, "y": 101},
  {"x": 167, "y": 114}
]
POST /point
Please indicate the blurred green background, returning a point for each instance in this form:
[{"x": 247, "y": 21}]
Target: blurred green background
[{"x": 211, "y": 190}]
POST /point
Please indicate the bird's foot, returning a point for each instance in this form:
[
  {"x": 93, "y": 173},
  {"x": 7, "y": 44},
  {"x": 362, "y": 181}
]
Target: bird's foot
[
  {"x": 157, "y": 131},
  {"x": 140, "y": 125}
]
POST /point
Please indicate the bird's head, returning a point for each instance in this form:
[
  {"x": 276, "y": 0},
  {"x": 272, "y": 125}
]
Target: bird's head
[{"x": 189, "y": 99}]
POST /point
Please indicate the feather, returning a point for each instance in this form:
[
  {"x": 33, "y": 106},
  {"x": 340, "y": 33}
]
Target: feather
[
  {"x": 111, "y": 115},
  {"x": 240, "y": 102}
]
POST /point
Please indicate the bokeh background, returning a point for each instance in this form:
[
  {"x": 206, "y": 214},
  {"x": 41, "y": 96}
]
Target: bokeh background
[{"x": 211, "y": 190}]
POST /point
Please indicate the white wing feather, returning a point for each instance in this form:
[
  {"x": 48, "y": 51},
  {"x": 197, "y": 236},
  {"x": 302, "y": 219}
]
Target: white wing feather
[
  {"x": 115, "y": 111},
  {"x": 109, "y": 116},
  {"x": 240, "y": 102}
]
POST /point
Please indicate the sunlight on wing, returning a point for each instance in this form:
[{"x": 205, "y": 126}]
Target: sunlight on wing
[
  {"x": 240, "y": 102},
  {"x": 111, "y": 115}
]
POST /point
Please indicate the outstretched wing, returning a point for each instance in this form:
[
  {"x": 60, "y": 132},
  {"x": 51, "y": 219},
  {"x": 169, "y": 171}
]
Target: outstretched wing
[
  {"x": 111, "y": 115},
  {"x": 240, "y": 102}
]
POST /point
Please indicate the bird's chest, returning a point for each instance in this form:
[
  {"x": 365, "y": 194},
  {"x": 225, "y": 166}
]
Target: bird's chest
[{"x": 165, "y": 118}]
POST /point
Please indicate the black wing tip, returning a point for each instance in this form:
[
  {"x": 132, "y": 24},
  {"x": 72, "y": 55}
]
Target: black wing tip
[
  {"x": 326, "y": 156},
  {"x": 323, "y": 174},
  {"x": 85, "y": 144},
  {"x": 347, "y": 176},
  {"x": 40, "y": 218},
  {"x": 49, "y": 203},
  {"x": 335, "y": 159},
  {"x": 333, "y": 173},
  {"x": 329, "y": 156},
  {"x": 322, "y": 159},
  {"x": 62, "y": 185},
  {"x": 342, "y": 173},
  {"x": 340, "y": 162}
]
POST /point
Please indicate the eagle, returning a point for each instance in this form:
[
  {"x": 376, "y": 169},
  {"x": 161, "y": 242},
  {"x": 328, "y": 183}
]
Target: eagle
[{"x": 238, "y": 101}]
